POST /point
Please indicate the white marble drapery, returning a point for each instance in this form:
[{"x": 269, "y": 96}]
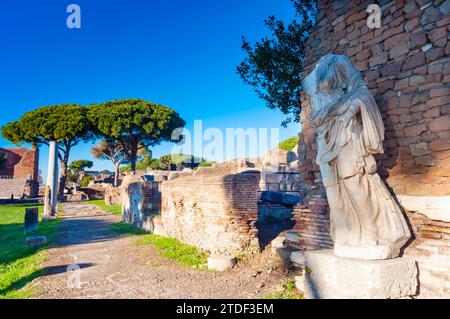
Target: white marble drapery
[{"x": 366, "y": 222}]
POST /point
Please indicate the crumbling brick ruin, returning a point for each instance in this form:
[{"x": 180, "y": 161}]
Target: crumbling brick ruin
[
  {"x": 230, "y": 208},
  {"x": 19, "y": 177},
  {"x": 407, "y": 67}
]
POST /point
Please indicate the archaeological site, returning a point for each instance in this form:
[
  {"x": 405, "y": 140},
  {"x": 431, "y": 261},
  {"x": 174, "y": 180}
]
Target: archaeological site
[{"x": 353, "y": 202}]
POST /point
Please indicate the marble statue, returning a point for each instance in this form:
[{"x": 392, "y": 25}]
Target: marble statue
[{"x": 366, "y": 222}]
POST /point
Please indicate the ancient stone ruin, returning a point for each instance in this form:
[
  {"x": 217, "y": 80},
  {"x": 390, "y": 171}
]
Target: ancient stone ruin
[
  {"x": 406, "y": 66},
  {"x": 19, "y": 177},
  {"x": 228, "y": 208}
]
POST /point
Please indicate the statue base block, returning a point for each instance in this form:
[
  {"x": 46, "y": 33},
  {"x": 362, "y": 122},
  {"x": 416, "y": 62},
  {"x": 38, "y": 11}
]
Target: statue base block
[
  {"x": 331, "y": 277},
  {"x": 379, "y": 252}
]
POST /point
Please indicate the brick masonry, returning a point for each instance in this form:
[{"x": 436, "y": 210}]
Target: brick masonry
[
  {"x": 407, "y": 67},
  {"x": 21, "y": 162},
  {"x": 214, "y": 211}
]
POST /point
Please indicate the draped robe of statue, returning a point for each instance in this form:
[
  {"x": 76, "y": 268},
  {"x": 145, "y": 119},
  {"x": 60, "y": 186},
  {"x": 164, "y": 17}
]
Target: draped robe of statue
[{"x": 366, "y": 222}]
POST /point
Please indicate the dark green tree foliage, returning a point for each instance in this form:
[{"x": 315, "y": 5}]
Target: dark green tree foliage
[
  {"x": 273, "y": 65},
  {"x": 66, "y": 124},
  {"x": 177, "y": 160},
  {"x": 80, "y": 165},
  {"x": 135, "y": 124},
  {"x": 289, "y": 144}
]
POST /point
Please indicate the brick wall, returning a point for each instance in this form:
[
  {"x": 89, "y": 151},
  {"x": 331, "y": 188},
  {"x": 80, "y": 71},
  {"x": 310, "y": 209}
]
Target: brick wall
[
  {"x": 141, "y": 202},
  {"x": 273, "y": 218},
  {"x": 312, "y": 221},
  {"x": 213, "y": 211},
  {"x": 21, "y": 162},
  {"x": 406, "y": 64}
]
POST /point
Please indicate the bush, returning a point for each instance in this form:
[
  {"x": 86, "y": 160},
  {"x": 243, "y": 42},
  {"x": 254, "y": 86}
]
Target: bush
[
  {"x": 85, "y": 181},
  {"x": 289, "y": 144},
  {"x": 206, "y": 164}
]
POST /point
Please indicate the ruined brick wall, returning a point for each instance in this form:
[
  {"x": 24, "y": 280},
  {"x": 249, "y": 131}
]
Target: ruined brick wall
[
  {"x": 273, "y": 218},
  {"x": 113, "y": 195},
  {"x": 141, "y": 202},
  {"x": 406, "y": 64},
  {"x": 21, "y": 162},
  {"x": 430, "y": 247},
  {"x": 213, "y": 211},
  {"x": 312, "y": 221}
]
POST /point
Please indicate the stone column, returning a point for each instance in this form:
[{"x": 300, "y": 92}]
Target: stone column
[{"x": 51, "y": 189}]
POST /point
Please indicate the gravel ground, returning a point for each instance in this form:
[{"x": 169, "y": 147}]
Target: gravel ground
[{"x": 112, "y": 267}]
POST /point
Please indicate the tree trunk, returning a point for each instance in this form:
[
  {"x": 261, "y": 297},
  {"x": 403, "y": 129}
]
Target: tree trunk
[
  {"x": 133, "y": 156},
  {"x": 116, "y": 175}
]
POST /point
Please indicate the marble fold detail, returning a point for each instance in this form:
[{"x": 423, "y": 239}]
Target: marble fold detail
[{"x": 366, "y": 222}]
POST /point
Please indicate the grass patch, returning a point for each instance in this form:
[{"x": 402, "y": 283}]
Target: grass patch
[
  {"x": 173, "y": 249},
  {"x": 169, "y": 248},
  {"x": 20, "y": 264},
  {"x": 115, "y": 209},
  {"x": 289, "y": 291},
  {"x": 124, "y": 228}
]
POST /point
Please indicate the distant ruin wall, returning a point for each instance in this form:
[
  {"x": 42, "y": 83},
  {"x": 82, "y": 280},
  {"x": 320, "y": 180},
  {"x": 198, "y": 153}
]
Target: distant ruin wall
[
  {"x": 406, "y": 64},
  {"x": 216, "y": 212},
  {"x": 21, "y": 163}
]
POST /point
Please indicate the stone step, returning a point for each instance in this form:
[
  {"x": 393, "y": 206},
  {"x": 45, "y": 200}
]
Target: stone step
[{"x": 13, "y": 187}]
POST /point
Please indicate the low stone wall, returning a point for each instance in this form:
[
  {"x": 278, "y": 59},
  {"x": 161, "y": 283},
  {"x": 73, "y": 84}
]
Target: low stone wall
[
  {"x": 431, "y": 249},
  {"x": 141, "y": 203},
  {"x": 113, "y": 195},
  {"x": 213, "y": 211}
]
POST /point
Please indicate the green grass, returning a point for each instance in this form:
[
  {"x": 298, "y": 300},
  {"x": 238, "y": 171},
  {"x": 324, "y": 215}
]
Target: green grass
[
  {"x": 124, "y": 228},
  {"x": 170, "y": 248},
  {"x": 115, "y": 209},
  {"x": 173, "y": 249},
  {"x": 289, "y": 291},
  {"x": 20, "y": 264}
]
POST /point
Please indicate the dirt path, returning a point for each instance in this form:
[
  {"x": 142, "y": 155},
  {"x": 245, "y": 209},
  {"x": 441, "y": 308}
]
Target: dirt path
[{"x": 112, "y": 267}]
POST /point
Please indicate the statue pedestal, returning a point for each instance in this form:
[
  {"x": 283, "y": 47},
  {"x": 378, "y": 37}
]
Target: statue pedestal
[
  {"x": 380, "y": 252},
  {"x": 331, "y": 277}
]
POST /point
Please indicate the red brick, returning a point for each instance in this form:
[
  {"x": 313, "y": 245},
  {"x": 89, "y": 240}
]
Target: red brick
[
  {"x": 415, "y": 130},
  {"x": 440, "y": 124},
  {"x": 439, "y": 146}
]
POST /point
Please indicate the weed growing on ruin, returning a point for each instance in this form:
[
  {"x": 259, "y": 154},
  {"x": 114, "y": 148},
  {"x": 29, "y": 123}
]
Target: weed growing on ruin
[
  {"x": 289, "y": 291},
  {"x": 173, "y": 249},
  {"x": 20, "y": 264}
]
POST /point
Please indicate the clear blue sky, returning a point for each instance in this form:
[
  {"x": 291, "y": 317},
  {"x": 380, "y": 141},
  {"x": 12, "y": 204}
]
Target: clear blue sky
[{"x": 182, "y": 54}]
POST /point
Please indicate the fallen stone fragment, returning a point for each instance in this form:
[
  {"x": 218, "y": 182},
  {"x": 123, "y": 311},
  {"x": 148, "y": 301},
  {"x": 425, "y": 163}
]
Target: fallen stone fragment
[
  {"x": 36, "y": 241},
  {"x": 221, "y": 263}
]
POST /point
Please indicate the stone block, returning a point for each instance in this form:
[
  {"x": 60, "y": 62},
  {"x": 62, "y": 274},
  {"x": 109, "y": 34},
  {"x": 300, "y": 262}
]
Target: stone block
[
  {"x": 221, "y": 263},
  {"x": 278, "y": 243},
  {"x": 31, "y": 219},
  {"x": 330, "y": 277},
  {"x": 36, "y": 241},
  {"x": 298, "y": 258},
  {"x": 284, "y": 253}
]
